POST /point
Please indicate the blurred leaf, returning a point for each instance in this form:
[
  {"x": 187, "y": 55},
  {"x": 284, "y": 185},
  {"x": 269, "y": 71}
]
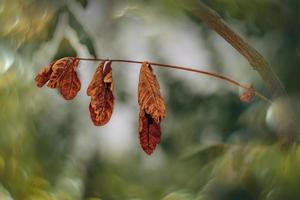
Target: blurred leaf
[
  {"x": 93, "y": 198},
  {"x": 178, "y": 196},
  {"x": 51, "y": 28},
  {"x": 205, "y": 154},
  {"x": 65, "y": 49},
  {"x": 83, "y": 36},
  {"x": 83, "y": 3}
]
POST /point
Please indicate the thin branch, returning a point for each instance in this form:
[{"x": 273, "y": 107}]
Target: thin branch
[
  {"x": 211, "y": 74},
  {"x": 256, "y": 60}
]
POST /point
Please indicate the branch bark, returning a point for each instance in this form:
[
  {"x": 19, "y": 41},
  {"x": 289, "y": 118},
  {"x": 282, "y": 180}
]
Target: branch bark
[{"x": 256, "y": 60}]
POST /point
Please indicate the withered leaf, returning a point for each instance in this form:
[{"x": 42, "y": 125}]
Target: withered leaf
[
  {"x": 102, "y": 98},
  {"x": 149, "y": 97},
  {"x": 59, "y": 68},
  {"x": 152, "y": 109},
  {"x": 248, "y": 95},
  {"x": 44, "y": 75},
  {"x": 149, "y": 132},
  {"x": 96, "y": 80},
  {"x": 61, "y": 74},
  {"x": 69, "y": 84}
]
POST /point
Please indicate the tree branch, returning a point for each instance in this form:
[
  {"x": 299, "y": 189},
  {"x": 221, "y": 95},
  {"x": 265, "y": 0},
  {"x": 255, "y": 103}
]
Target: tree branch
[
  {"x": 211, "y": 74},
  {"x": 256, "y": 60}
]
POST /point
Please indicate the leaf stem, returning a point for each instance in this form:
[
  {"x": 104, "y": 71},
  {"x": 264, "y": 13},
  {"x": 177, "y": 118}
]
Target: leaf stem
[{"x": 211, "y": 74}]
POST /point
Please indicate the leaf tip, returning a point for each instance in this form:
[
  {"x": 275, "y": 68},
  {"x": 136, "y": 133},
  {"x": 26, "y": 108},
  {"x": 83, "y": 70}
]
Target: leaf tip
[{"x": 248, "y": 95}]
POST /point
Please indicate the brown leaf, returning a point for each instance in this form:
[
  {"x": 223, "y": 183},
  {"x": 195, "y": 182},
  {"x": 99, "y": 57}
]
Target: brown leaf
[
  {"x": 152, "y": 109},
  {"x": 248, "y": 95},
  {"x": 44, "y": 75},
  {"x": 93, "y": 115},
  {"x": 69, "y": 84},
  {"x": 61, "y": 74},
  {"x": 102, "y": 99},
  {"x": 149, "y": 132},
  {"x": 96, "y": 80},
  {"x": 149, "y": 97},
  {"x": 59, "y": 68}
]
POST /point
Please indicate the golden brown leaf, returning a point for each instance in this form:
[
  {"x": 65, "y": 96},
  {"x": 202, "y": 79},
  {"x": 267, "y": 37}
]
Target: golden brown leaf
[
  {"x": 96, "y": 80},
  {"x": 149, "y": 132},
  {"x": 152, "y": 109},
  {"x": 69, "y": 84},
  {"x": 59, "y": 68},
  {"x": 149, "y": 97},
  {"x": 61, "y": 74},
  {"x": 44, "y": 75},
  {"x": 248, "y": 95},
  {"x": 102, "y": 99}
]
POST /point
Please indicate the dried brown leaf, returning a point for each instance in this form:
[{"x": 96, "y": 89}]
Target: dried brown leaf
[
  {"x": 61, "y": 74},
  {"x": 102, "y": 99},
  {"x": 69, "y": 84},
  {"x": 96, "y": 80},
  {"x": 149, "y": 97},
  {"x": 149, "y": 132},
  {"x": 59, "y": 68},
  {"x": 152, "y": 109},
  {"x": 44, "y": 75},
  {"x": 248, "y": 95}
]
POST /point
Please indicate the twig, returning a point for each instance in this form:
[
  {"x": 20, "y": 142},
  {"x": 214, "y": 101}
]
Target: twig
[{"x": 211, "y": 74}]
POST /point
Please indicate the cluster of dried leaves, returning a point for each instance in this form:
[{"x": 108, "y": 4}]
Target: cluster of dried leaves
[{"x": 62, "y": 75}]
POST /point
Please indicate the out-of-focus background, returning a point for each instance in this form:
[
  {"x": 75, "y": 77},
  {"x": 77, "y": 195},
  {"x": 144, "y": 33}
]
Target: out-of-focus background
[{"x": 214, "y": 147}]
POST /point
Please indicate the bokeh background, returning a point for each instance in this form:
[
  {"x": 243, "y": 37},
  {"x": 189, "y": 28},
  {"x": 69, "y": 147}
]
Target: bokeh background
[{"x": 214, "y": 147}]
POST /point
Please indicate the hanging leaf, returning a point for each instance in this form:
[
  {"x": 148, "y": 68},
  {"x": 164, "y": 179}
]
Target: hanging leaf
[
  {"x": 97, "y": 79},
  {"x": 152, "y": 109},
  {"x": 102, "y": 99},
  {"x": 149, "y": 97},
  {"x": 149, "y": 132},
  {"x": 59, "y": 69},
  {"x": 69, "y": 84},
  {"x": 248, "y": 95},
  {"x": 44, "y": 75},
  {"x": 61, "y": 74}
]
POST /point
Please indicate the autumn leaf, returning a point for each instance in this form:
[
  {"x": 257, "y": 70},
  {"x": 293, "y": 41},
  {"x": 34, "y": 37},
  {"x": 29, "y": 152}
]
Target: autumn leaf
[
  {"x": 149, "y": 132},
  {"x": 69, "y": 84},
  {"x": 61, "y": 74},
  {"x": 101, "y": 91},
  {"x": 59, "y": 68},
  {"x": 149, "y": 97},
  {"x": 96, "y": 80},
  {"x": 65, "y": 78},
  {"x": 152, "y": 109},
  {"x": 44, "y": 75},
  {"x": 248, "y": 95}
]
